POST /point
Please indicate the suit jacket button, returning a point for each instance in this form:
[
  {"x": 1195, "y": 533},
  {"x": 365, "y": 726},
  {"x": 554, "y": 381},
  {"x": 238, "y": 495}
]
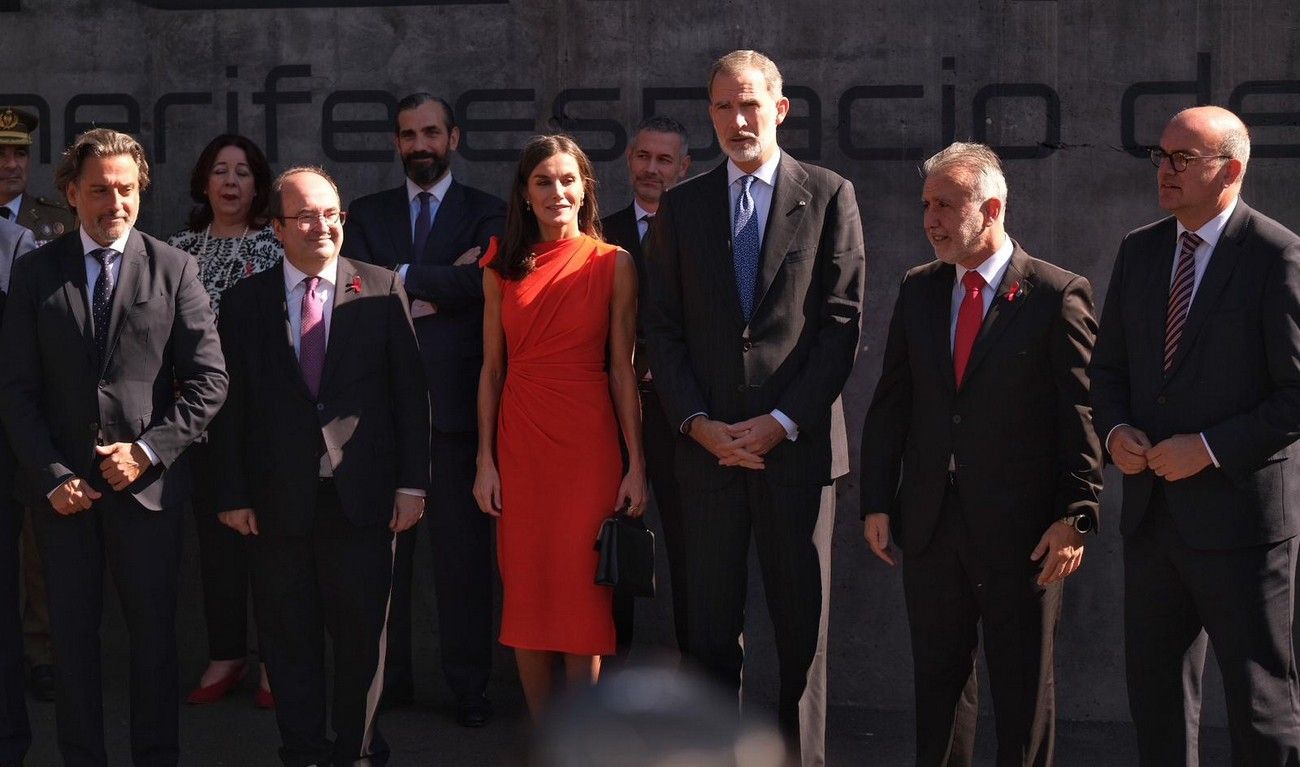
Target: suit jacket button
[
  {"x": 956, "y": 419},
  {"x": 103, "y": 383},
  {"x": 747, "y": 346},
  {"x": 1160, "y": 400},
  {"x": 320, "y": 407}
]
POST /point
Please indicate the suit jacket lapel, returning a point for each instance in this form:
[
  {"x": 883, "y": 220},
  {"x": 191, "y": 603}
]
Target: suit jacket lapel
[
  {"x": 1222, "y": 261},
  {"x": 939, "y": 309},
  {"x": 715, "y": 227},
  {"x": 74, "y": 291},
  {"x": 1156, "y": 296},
  {"x": 450, "y": 210},
  {"x": 1011, "y": 295},
  {"x": 275, "y": 310},
  {"x": 131, "y": 276},
  {"x": 397, "y": 225},
  {"x": 789, "y": 201},
  {"x": 341, "y": 324}
]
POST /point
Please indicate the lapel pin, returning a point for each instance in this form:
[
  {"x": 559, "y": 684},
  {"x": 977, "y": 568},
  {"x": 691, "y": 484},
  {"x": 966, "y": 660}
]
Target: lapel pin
[
  {"x": 1013, "y": 291},
  {"x": 355, "y": 285}
]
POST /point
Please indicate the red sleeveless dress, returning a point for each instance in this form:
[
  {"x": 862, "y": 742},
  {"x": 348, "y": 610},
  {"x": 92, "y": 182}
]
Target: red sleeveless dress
[{"x": 557, "y": 448}]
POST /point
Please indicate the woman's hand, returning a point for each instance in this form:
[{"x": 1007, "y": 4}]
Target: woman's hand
[
  {"x": 632, "y": 492},
  {"x": 487, "y": 489}
]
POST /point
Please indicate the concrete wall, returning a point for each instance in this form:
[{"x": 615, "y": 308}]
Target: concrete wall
[{"x": 1065, "y": 87}]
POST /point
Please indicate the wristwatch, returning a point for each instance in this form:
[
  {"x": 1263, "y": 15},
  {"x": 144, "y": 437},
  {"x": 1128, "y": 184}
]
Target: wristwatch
[{"x": 1082, "y": 523}]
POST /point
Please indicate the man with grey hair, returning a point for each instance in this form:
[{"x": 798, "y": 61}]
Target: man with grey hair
[
  {"x": 978, "y": 453},
  {"x": 1196, "y": 385},
  {"x": 113, "y": 367},
  {"x": 756, "y": 271}
]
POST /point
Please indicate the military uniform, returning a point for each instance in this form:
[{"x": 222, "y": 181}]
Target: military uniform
[{"x": 47, "y": 219}]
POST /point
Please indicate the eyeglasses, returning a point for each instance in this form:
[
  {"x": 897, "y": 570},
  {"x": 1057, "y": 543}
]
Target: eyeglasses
[
  {"x": 1180, "y": 160},
  {"x": 306, "y": 221}
]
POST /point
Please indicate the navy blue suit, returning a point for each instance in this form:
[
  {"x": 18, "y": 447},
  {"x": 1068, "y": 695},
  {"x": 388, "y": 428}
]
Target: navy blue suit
[
  {"x": 15, "y": 734},
  {"x": 379, "y": 231}
]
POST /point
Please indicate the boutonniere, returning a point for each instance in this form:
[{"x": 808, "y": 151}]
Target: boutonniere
[
  {"x": 355, "y": 285},
  {"x": 1013, "y": 291}
]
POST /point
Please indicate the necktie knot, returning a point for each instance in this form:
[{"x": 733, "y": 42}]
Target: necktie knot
[
  {"x": 1191, "y": 241},
  {"x": 745, "y": 183},
  {"x": 311, "y": 283},
  {"x": 973, "y": 281},
  {"x": 424, "y": 198},
  {"x": 105, "y": 256}
]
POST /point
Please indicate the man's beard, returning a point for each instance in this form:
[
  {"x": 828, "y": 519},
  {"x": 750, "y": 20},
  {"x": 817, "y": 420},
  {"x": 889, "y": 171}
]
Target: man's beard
[{"x": 421, "y": 173}]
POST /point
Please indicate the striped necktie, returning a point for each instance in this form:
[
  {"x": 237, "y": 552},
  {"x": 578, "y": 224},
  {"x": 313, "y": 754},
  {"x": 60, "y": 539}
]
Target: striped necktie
[{"x": 1180, "y": 295}]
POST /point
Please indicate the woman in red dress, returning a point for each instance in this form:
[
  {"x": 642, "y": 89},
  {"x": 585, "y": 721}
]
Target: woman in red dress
[{"x": 557, "y": 385}]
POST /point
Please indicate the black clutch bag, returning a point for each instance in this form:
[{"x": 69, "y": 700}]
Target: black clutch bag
[{"x": 627, "y": 556}]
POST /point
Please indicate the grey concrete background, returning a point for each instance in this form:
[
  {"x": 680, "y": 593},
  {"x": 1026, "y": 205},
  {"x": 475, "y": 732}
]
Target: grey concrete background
[{"x": 938, "y": 60}]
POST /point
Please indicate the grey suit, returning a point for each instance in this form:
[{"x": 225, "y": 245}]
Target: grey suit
[
  {"x": 161, "y": 380},
  {"x": 794, "y": 354},
  {"x": 1213, "y": 554},
  {"x": 15, "y": 734}
]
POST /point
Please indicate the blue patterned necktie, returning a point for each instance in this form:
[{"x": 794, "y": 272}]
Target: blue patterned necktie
[
  {"x": 744, "y": 247},
  {"x": 423, "y": 225},
  {"x": 101, "y": 302}
]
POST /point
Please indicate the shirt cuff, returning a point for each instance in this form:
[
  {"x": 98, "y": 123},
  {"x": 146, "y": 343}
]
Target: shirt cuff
[
  {"x": 148, "y": 451},
  {"x": 1106, "y": 444},
  {"x": 411, "y": 491},
  {"x": 791, "y": 428},
  {"x": 401, "y": 273},
  {"x": 682, "y": 427},
  {"x": 1213, "y": 459}
]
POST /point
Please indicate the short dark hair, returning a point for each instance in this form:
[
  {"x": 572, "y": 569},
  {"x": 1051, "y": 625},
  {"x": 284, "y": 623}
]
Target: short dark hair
[
  {"x": 276, "y": 207},
  {"x": 662, "y": 124},
  {"x": 201, "y": 214},
  {"x": 99, "y": 142},
  {"x": 419, "y": 99}
]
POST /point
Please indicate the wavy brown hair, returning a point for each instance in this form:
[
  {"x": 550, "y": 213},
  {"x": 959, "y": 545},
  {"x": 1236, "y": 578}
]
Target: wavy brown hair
[{"x": 515, "y": 260}]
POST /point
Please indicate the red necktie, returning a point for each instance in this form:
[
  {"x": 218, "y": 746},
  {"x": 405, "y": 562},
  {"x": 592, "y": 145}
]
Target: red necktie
[
  {"x": 969, "y": 318},
  {"x": 1180, "y": 295}
]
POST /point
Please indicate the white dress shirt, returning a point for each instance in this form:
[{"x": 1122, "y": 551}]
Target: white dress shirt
[
  {"x": 992, "y": 270},
  {"x": 760, "y": 189},
  {"x": 1210, "y": 232},
  {"x": 436, "y": 194}
]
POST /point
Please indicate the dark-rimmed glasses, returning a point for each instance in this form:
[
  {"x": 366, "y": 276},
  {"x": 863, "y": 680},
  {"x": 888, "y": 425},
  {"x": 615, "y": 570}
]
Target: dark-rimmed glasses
[{"x": 1180, "y": 160}]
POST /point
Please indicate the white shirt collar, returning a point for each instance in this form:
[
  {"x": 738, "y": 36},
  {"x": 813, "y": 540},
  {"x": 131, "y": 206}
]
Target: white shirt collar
[
  {"x": 293, "y": 276},
  {"x": 765, "y": 173},
  {"x": 88, "y": 244},
  {"x": 1212, "y": 230},
  {"x": 438, "y": 190},
  {"x": 993, "y": 267},
  {"x": 639, "y": 212}
]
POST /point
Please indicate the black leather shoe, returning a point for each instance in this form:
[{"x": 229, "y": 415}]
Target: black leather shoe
[
  {"x": 40, "y": 681},
  {"x": 474, "y": 713}
]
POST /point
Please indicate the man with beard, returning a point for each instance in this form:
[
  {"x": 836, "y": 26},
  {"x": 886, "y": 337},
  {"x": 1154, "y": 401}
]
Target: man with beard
[
  {"x": 756, "y": 275},
  {"x": 657, "y": 158},
  {"x": 978, "y": 448},
  {"x": 431, "y": 230}
]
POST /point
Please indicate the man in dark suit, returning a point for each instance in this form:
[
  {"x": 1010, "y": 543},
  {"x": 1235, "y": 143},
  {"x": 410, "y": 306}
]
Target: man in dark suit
[
  {"x": 431, "y": 229},
  {"x": 657, "y": 159},
  {"x": 113, "y": 367},
  {"x": 15, "y": 733},
  {"x": 756, "y": 274},
  {"x": 324, "y": 447},
  {"x": 1196, "y": 385},
  {"x": 982, "y": 411}
]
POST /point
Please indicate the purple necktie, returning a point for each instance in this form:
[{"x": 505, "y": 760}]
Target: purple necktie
[
  {"x": 311, "y": 344},
  {"x": 423, "y": 225}
]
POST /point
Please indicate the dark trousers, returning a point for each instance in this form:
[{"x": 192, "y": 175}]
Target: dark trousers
[
  {"x": 15, "y": 733},
  {"x": 659, "y": 439},
  {"x": 223, "y": 566},
  {"x": 1242, "y": 600},
  {"x": 791, "y": 528},
  {"x": 951, "y": 594},
  {"x": 336, "y": 579},
  {"x": 142, "y": 551},
  {"x": 461, "y": 539}
]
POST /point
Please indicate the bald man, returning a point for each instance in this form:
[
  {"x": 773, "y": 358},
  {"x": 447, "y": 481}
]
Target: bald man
[{"x": 1196, "y": 389}]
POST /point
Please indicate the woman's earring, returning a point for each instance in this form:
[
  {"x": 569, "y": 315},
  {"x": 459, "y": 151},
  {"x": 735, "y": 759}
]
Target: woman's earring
[{"x": 528, "y": 205}]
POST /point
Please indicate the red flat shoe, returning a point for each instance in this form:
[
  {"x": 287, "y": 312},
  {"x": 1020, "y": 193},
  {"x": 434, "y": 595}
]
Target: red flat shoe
[
  {"x": 263, "y": 698},
  {"x": 218, "y": 689}
]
